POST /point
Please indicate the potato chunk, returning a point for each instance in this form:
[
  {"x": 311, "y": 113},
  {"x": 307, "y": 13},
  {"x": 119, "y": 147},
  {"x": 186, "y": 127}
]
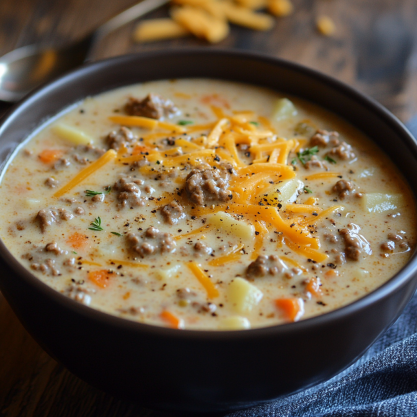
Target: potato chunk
[
  {"x": 234, "y": 323},
  {"x": 164, "y": 274},
  {"x": 288, "y": 192},
  {"x": 379, "y": 202},
  {"x": 243, "y": 296},
  {"x": 228, "y": 223},
  {"x": 73, "y": 135},
  {"x": 283, "y": 109}
]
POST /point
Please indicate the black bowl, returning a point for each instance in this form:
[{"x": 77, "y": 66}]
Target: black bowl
[{"x": 205, "y": 370}]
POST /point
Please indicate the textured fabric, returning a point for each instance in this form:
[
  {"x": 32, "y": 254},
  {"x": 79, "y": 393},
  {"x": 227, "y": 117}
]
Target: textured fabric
[{"x": 382, "y": 383}]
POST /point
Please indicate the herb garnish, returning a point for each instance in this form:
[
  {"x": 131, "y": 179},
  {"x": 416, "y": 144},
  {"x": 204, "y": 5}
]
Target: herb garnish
[
  {"x": 306, "y": 154},
  {"x": 185, "y": 122},
  {"x": 294, "y": 161},
  {"x": 331, "y": 160},
  {"x": 307, "y": 190},
  {"x": 91, "y": 193},
  {"x": 96, "y": 225},
  {"x": 254, "y": 123},
  {"x": 115, "y": 233}
]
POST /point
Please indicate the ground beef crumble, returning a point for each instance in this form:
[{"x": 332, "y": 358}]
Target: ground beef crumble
[
  {"x": 355, "y": 244},
  {"x": 118, "y": 138},
  {"x": 323, "y": 138},
  {"x": 343, "y": 188},
  {"x": 205, "y": 183},
  {"x": 173, "y": 212},
  {"x": 265, "y": 265},
  {"x": 128, "y": 192},
  {"x": 151, "y": 242},
  {"x": 343, "y": 151},
  {"x": 153, "y": 106},
  {"x": 47, "y": 217}
]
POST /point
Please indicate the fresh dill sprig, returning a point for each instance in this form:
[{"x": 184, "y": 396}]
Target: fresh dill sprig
[
  {"x": 254, "y": 123},
  {"x": 307, "y": 190},
  {"x": 185, "y": 122},
  {"x": 91, "y": 193},
  {"x": 96, "y": 225},
  {"x": 115, "y": 233},
  {"x": 306, "y": 154}
]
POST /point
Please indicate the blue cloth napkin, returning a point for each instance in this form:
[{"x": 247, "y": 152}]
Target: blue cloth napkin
[{"x": 383, "y": 383}]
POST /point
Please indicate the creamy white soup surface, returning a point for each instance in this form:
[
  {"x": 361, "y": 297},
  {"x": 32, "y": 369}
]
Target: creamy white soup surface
[{"x": 204, "y": 204}]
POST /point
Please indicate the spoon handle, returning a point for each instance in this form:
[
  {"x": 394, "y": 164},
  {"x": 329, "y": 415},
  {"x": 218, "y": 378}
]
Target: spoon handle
[{"x": 127, "y": 16}]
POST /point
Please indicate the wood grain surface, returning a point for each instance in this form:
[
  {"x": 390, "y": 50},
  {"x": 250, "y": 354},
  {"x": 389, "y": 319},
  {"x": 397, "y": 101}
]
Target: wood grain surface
[{"x": 373, "y": 49}]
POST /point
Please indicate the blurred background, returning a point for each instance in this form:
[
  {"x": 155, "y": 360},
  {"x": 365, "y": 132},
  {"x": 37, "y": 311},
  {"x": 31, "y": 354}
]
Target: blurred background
[{"x": 371, "y": 46}]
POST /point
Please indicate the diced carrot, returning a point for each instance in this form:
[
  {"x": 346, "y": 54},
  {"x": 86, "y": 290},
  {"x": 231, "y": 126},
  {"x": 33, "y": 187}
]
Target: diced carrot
[
  {"x": 101, "y": 277},
  {"x": 139, "y": 149},
  {"x": 77, "y": 240},
  {"x": 313, "y": 287},
  {"x": 293, "y": 308},
  {"x": 331, "y": 274},
  {"x": 49, "y": 156},
  {"x": 172, "y": 320}
]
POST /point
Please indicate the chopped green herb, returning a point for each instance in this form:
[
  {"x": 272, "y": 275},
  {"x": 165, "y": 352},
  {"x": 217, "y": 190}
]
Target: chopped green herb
[
  {"x": 331, "y": 160},
  {"x": 115, "y": 233},
  {"x": 96, "y": 225},
  {"x": 307, "y": 190},
  {"x": 74, "y": 252},
  {"x": 185, "y": 122},
  {"x": 91, "y": 193},
  {"x": 254, "y": 123},
  {"x": 294, "y": 161},
  {"x": 306, "y": 154}
]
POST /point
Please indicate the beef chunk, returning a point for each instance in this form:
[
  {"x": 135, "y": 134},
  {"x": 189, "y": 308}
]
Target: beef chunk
[
  {"x": 388, "y": 246},
  {"x": 53, "y": 247},
  {"x": 343, "y": 188},
  {"x": 323, "y": 138},
  {"x": 172, "y": 212},
  {"x": 80, "y": 293},
  {"x": 128, "y": 193},
  {"x": 151, "y": 242},
  {"x": 153, "y": 106},
  {"x": 51, "y": 182},
  {"x": 343, "y": 151},
  {"x": 185, "y": 293},
  {"x": 265, "y": 265},
  {"x": 119, "y": 138},
  {"x": 205, "y": 183},
  {"x": 88, "y": 151},
  {"x": 47, "y": 267},
  {"x": 202, "y": 249},
  {"x": 355, "y": 244},
  {"x": 330, "y": 237},
  {"x": 314, "y": 162},
  {"x": 47, "y": 217}
]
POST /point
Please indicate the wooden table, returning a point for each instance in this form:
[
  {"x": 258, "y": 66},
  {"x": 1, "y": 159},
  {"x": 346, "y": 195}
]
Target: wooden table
[{"x": 373, "y": 50}]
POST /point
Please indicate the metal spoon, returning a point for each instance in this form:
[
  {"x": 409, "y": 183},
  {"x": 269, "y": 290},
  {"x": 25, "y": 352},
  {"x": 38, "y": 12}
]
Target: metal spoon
[{"x": 25, "y": 68}]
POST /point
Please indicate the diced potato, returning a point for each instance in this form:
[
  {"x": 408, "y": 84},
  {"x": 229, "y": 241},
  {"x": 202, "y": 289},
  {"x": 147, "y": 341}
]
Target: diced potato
[
  {"x": 243, "y": 296},
  {"x": 360, "y": 273},
  {"x": 72, "y": 134},
  {"x": 288, "y": 192},
  {"x": 234, "y": 323},
  {"x": 283, "y": 109},
  {"x": 229, "y": 224},
  {"x": 379, "y": 202},
  {"x": 168, "y": 273},
  {"x": 32, "y": 202}
]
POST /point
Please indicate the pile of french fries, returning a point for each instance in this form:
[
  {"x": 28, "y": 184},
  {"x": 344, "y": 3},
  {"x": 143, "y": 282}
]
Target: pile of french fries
[{"x": 209, "y": 19}]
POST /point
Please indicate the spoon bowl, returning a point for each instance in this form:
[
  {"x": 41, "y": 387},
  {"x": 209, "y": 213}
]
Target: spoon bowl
[{"x": 28, "y": 67}]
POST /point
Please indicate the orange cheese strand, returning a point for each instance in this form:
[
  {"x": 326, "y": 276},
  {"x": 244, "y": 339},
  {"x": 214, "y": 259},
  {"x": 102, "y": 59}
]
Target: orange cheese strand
[
  {"x": 266, "y": 123},
  {"x": 192, "y": 157},
  {"x": 109, "y": 156},
  {"x": 231, "y": 256},
  {"x": 322, "y": 215},
  {"x": 286, "y": 171},
  {"x": 199, "y": 128},
  {"x": 172, "y": 320},
  {"x": 247, "y": 186},
  {"x": 292, "y": 308},
  {"x": 302, "y": 208},
  {"x": 146, "y": 122},
  {"x": 293, "y": 263},
  {"x": 299, "y": 144},
  {"x": 101, "y": 278},
  {"x": 305, "y": 251},
  {"x": 212, "y": 291},
  {"x": 311, "y": 200},
  {"x": 194, "y": 232},
  {"x": 230, "y": 145},
  {"x": 323, "y": 175},
  {"x": 90, "y": 263},
  {"x": 214, "y": 135},
  {"x": 128, "y": 263},
  {"x": 219, "y": 113},
  {"x": 262, "y": 231}
]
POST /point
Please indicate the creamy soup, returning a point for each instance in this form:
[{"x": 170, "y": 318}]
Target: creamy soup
[{"x": 204, "y": 204}]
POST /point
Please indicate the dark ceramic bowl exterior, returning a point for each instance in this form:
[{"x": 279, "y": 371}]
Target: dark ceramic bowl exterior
[{"x": 197, "y": 370}]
